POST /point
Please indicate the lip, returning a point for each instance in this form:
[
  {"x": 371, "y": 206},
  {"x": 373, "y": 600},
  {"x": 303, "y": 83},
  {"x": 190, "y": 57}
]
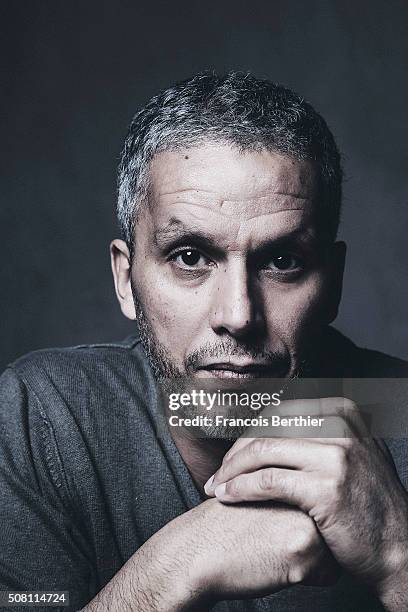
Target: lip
[{"x": 235, "y": 370}]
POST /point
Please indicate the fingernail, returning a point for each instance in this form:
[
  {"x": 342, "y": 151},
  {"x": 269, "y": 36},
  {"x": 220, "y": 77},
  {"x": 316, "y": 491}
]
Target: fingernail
[
  {"x": 207, "y": 486},
  {"x": 220, "y": 490}
]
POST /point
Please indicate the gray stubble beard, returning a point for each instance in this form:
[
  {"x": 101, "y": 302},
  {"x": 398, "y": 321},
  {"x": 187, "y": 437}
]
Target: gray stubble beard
[{"x": 173, "y": 380}]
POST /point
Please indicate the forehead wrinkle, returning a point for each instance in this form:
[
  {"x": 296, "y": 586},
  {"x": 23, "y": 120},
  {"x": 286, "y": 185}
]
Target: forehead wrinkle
[
  {"x": 263, "y": 193},
  {"x": 228, "y": 208},
  {"x": 216, "y": 173},
  {"x": 272, "y": 212},
  {"x": 266, "y": 204},
  {"x": 190, "y": 213},
  {"x": 186, "y": 190},
  {"x": 298, "y": 196},
  {"x": 302, "y": 231}
]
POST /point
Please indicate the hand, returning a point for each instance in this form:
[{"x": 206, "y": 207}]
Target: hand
[
  {"x": 251, "y": 550},
  {"x": 216, "y": 552},
  {"x": 348, "y": 485}
]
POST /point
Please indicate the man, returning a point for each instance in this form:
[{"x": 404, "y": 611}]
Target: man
[{"x": 229, "y": 201}]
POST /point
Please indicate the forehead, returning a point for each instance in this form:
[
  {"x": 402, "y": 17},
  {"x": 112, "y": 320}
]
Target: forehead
[
  {"x": 219, "y": 186},
  {"x": 232, "y": 174}
]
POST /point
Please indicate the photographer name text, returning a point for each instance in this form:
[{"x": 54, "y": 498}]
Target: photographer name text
[{"x": 257, "y": 421}]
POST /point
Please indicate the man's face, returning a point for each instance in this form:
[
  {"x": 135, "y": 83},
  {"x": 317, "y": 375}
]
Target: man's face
[{"x": 230, "y": 276}]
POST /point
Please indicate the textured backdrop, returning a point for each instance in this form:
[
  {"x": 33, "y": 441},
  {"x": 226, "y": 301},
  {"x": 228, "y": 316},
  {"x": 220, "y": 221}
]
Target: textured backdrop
[{"x": 74, "y": 72}]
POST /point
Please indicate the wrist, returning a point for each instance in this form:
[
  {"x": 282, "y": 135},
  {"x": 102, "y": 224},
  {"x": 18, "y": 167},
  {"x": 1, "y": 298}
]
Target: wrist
[
  {"x": 391, "y": 590},
  {"x": 186, "y": 563}
]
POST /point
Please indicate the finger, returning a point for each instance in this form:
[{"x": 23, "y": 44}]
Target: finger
[
  {"x": 300, "y": 454},
  {"x": 322, "y": 429},
  {"x": 263, "y": 452},
  {"x": 238, "y": 445},
  {"x": 333, "y": 430},
  {"x": 288, "y": 486},
  {"x": 339, "y": 431},
  {"x": 321, "y": 407}
]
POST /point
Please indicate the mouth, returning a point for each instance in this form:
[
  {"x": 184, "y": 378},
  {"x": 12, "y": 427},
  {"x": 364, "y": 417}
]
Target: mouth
[{"x": 228, "y": 370}]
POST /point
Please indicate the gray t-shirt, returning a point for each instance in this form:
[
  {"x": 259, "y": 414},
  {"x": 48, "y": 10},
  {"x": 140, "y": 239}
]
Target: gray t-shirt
[{"x": 85, "y": 480}]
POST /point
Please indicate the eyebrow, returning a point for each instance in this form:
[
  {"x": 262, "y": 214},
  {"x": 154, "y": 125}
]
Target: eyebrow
[
  {"x": 176, "y": 233},
  {"x": 176, "y": 230}
]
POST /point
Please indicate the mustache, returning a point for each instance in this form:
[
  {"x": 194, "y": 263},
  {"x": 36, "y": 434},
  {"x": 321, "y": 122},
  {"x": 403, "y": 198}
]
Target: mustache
[{"x": 228, "y": 348}]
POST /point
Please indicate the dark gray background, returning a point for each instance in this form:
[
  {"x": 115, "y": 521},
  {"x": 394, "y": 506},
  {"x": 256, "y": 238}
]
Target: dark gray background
[{"x": 73, "y": 73}]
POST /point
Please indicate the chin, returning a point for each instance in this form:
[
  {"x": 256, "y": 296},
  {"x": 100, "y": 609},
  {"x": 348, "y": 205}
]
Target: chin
[{"x": 229, "y": 434}]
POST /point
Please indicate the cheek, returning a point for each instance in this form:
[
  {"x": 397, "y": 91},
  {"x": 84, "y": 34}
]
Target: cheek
[
  {"x": 174, "y": 313},
  {"x": 295, "y": 309}
]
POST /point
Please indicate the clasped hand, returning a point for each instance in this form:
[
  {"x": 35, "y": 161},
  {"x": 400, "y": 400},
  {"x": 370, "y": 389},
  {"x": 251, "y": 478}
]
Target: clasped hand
[{"x": 347, "y": 484}]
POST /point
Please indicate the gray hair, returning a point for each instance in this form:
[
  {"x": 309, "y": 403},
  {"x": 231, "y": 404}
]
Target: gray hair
[{"x": 236, "y": 108}]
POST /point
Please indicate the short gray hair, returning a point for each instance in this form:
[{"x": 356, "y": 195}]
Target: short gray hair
[{"x": 236, "y": 108}]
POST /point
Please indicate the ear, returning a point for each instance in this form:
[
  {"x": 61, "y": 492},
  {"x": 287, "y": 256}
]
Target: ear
[
  {"x": 121, "y": 269},
  {"x": 335, "y": 286}
]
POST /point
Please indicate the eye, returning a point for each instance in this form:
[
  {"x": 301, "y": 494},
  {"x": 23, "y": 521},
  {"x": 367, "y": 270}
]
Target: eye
[
  {"x": 189, "y": 259},
  {"x": 284, "y": 262}
]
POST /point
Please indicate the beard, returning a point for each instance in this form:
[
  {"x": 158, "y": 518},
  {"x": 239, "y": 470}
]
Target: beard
[
  {"x": 174, "y": 379},
  {"x": 163, "y": 367}
]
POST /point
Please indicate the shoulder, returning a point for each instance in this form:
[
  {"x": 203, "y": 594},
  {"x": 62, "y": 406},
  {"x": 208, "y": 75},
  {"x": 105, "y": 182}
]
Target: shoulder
[
  {"x": 350, "y": 360},
  {"x": 62, "y": 404},
  {"x": 74, "y": 363},
  {"x": 81, "y": 353},
  {"x": 87, "y": 380}
]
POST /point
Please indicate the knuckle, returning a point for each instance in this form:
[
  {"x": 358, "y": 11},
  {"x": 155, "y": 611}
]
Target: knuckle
[
  {"x": 222, "y": 470},
  {"x": 297, "y": 573},
  {"x": 348, "y": 442},
  {"x": 266, "y": 479},
  {"x": 343, "y": 403},
  {"x": 233, "y": 487},
  {"x": 350, "y": 411},
  {"x": 229, "y": 467},
  {"x": 348, "y": 404},
  {"x": 229, "y": 454},
  {"x": 303, "y": 548},
  {"x": 336, "y": 488},
  {"x": 258, "y": 446},
  {"x": 305, "y": 537},
  {"x": 338, "y": 457}
]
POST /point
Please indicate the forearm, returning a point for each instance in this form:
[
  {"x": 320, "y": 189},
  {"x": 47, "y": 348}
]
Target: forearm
[
  {"x": 202, "y": 557},
  {"x": 394, "y": 596},
  {"x": 159, "y": 577}
]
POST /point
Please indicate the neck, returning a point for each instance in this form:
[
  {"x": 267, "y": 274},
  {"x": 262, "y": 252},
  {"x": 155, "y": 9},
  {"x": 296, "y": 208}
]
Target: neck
[{"x": 201, "y": 456}]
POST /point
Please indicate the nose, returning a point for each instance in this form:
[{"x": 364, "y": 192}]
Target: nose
[{"x": 235, "y": 308}]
